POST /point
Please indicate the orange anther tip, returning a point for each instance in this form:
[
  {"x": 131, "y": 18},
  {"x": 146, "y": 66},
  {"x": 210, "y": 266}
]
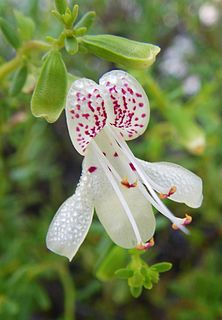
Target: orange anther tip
[
  {"x": 126, "y": 183},
  {"x": 170, "y": 193},
  {"x": 146, "y": 245},
  {"x": 187, "y": 220}
]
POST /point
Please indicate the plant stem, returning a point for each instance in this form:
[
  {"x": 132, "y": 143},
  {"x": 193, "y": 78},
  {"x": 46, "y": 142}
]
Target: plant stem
[
  {"x": 13, "y": 64},
  {"x": 69, "y": 293}
]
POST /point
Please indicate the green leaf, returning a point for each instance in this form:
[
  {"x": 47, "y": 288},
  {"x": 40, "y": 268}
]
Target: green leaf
[
  {"x": 61, "y": 6},
  {"x": 122, "y": 51},
  {"x": 87, "y": 20},
  {"x": 162, "y": 266},
  {"x": 10, "y": 33},
  {"x": 136, "y": 292},
  {"x": 71, "y": 45},
  {"x": 18, "y": 80},
  {"x": 136, "y": 280},
  {"x": 115, "y": 259},
  {"x": 49, "y": 95},
  {"x": 124, "y": 273},
  {"x": 26, "y": 26},
  {"x": 153, "y": 275},
  {"x": 75, "y": 12},
  {"x": 148, "y": 283}
]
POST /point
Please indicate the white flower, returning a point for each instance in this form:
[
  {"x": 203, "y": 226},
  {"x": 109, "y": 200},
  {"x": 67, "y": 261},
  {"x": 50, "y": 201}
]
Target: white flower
[{"x": 118, "y": 186}]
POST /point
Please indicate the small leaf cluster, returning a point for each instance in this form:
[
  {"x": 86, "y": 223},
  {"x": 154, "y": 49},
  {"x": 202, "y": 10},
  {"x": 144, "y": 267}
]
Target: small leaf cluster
[
  {"x": 140, "y": 275},
  {"x": 51, "y": 86}
]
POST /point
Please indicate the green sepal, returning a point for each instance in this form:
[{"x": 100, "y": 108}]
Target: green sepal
[
  {"x": 114, "y": 260},
  {"x": 122, "y": 51},
  {"x": 61, "y": 6},
  {"x": 10, "y": 33},
  {"x": 87, "y": 20},
  {"x": 50, "y": 92},
  {"x": 18, "y": 81},
  {"x": 136, "y": 291},
  {"x": 71, "y": 45},
  {"x": 124, "y": 273},
  {"x": 26, "y": 26},
  {"x": 162, "y": 266}
]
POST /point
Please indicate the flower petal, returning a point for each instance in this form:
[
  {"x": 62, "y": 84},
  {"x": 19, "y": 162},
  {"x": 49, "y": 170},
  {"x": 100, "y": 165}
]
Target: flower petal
[
  {"x": 85, "y": 112},
  {"x": 128, "y": 105},
  {"x": 166, "y": 175},
  {"x": 109, "y": 206},
  {"x": 71, "y": 223}
]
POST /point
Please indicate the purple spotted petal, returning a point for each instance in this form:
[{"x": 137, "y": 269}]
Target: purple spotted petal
[
  {"x": 128, "y": 105},
  {"x": 85, "y": 112}
]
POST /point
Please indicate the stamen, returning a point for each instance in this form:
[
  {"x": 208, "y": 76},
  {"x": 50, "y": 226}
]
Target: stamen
[
  {"x": 105, "y": 165},
  {"x": 184, "y": 222},
  {"x": 170, "y": 193},
  {"x": 126, "y": 183},
  {"x": 145, "y": 246},
  {"x": 154, "y": 199}
]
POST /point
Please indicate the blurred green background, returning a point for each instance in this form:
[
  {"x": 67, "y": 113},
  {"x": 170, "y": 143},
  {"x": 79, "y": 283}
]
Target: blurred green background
[{"x": 39, "y": 169}]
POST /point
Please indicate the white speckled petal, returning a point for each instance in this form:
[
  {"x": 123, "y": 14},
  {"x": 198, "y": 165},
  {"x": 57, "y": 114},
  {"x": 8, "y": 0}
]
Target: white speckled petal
[
  {"x": 85, "y": 112},
  {"x": 127, "y": 104},
  {"x": 166, "y": 175},
  {"x": 71, "y": 223}
]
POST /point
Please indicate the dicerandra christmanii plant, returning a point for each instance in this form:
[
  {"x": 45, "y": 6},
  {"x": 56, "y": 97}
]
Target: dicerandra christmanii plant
[{"x": 101, "y": 118}]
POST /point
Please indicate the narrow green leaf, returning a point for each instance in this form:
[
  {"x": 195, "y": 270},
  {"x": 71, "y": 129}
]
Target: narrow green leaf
[
  {"x": 162, "y": 266},
  {"x": 71, "y": 45},
  {"x": 18, "y": 80},
  {"x": 75, "y": 12},
  {"x": 136, "y": 292},
  {"x": 124, "y": 273},
  {"x": 61, "y": 6},
  {"x": 26, "y": 26},
  {"x": 10, "y": 33},
  {"x": 122, "y": 51},
  {"x": 87, "y": 20},
  {"x": 49, "y": 95},
  {"x": 136, "y": 280}
]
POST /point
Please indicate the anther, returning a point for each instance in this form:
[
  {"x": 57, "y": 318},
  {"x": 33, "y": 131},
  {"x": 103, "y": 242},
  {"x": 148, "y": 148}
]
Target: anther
[
  {"x": 128, "y": 185},
  {"x": 146, "y": 246},
  {"x": 185, "y": 221},
  {"x": 170, "y": 193}
]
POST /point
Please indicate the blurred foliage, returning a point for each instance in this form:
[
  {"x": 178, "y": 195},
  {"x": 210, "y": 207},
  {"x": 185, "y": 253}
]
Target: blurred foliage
[{"x": 39, "y": 168}]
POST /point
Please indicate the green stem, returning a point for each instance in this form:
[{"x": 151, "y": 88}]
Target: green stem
[
  {"x": 9, "y": 67},
  {"x": 69, "y": 293},
  {"x": 28, "y": 47}
]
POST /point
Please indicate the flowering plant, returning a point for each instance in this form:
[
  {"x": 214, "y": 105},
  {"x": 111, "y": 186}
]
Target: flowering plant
[{"x": 120, "y": 187}]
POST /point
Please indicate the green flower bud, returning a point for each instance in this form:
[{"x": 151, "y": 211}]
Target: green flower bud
[
  {"x": 71, "y": 45},
  {"x": 61, "y": 6},
  {"x": 50, "y": 92},
  {"x": 122, "y": 51},
  {"x": 18, "y": 80},
  {"x": 87, "y": 20},
  {"x": 26, "y": 26},
  {"x": 10, "y": 33}
]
